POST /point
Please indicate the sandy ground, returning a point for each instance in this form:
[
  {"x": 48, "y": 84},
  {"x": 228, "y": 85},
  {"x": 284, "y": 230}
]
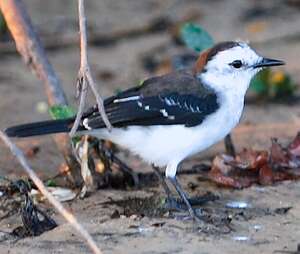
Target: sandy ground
[{"x": 273, "y": 27}]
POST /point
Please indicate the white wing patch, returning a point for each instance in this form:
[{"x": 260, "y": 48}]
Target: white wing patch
[
  {"x": 164, "y": 112},
  {"x": 86, "y": 124},
  {"x": 132, "y": 98}
]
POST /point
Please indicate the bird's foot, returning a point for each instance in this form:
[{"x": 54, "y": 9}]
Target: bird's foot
[
  {"x": 196, "y": 215},
  {"x": 173, "y": 203}
]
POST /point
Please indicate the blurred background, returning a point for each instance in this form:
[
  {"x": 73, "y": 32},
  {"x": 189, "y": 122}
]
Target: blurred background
[{"x": 131, "y": 40}]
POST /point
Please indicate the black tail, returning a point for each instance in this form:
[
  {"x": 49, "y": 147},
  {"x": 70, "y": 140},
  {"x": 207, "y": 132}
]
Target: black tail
[{"x": 40, "y": 128}]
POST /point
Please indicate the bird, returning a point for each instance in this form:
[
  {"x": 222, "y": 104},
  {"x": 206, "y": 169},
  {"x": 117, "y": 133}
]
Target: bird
[{"x": 171, "y": 117}]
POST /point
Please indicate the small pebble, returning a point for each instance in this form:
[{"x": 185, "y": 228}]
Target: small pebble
[
  {"x": 241, "y": 238},
  {"x": 133, "y": 217},
  {"x": 41, "y": 107},
  {"x": 115, "y": 215},
  {"x": 145, "y": 229},
  {"x": 237, "y": 204},
  {"x": 257, "y": 227}
]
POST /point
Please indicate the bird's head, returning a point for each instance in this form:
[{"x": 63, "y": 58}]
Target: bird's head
[{"x": 231, "y": 65}]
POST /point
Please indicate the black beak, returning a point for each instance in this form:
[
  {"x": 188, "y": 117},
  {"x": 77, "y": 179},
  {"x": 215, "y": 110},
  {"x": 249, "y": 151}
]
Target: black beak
[{"x": 267, "y": 62}]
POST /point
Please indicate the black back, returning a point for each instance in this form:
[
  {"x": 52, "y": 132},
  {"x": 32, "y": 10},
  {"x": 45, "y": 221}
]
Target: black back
[{"x": 175, "y": 98}]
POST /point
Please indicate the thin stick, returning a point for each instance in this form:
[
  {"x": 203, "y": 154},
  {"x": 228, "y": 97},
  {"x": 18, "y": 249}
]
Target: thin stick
[
  {"x": 83, "y": 94},
  {"x": 86, "y": 169},
  {"x": 59, "y": 207},
  {"x": 99, "y": 100},
  {"x": 84, "y": 74},
  {"x": 30, "y": 47}
]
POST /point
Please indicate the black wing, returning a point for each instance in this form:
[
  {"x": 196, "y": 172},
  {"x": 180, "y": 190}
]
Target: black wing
[
  {"x": 170, "y": 109},
  {"x": 176, "y": 98}
]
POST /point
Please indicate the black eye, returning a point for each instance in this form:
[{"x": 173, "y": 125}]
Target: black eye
[{"x": 237, "y": 64}]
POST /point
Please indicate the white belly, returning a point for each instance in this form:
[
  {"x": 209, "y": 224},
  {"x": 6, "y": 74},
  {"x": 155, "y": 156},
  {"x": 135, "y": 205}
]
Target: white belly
[{"x": 167, "y": 144}]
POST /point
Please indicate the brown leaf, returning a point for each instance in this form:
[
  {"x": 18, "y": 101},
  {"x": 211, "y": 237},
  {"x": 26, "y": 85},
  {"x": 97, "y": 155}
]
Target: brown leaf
[
  {"x": 278, "y": 154},
  {"x": 225, "y": 181},
  {"x": 220, "y": 170},
  {"x": 219, "y": 166},
  {"x": 265, "y": 175},
  {"x": 263, "y": 167},
  {"x": 294, "y": 146},
  {"x": 283, "y": 175},
  {"x": 251, "y": 159}
]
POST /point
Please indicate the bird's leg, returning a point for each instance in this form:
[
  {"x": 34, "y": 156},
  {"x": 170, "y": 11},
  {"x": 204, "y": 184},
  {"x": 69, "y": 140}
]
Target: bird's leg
[
  {"x": 175, "y": 203},
  {"x": 184, "y": 197},
  {"x": 172, "y": 202},
  {"x": 229, "y": 146},
  {"x": 163, "y": 182}
]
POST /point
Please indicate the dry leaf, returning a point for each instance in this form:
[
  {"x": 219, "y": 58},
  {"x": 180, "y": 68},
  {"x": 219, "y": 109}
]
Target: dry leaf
[
  {"x": 261, "y": 167},
  {"x": 278, "y": 155},
  {"x": 294, "y": 146},
  {"x": 265, "y": 175}
]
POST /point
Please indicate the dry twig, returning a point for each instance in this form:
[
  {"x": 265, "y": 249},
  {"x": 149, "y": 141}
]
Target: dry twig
[
  {"x": 86, "y": 168},
  {"x": 29, "y": 46},
  {"x": 85, "y": 78},
  {"x": 59, "y": 207}
]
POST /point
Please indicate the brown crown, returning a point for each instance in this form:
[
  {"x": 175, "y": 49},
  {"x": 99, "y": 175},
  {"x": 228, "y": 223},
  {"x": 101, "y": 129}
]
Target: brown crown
[{"x": 208, "y": 54}]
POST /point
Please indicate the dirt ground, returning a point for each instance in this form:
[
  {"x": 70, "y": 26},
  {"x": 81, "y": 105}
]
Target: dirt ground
[{"x": 271, "y": 221}]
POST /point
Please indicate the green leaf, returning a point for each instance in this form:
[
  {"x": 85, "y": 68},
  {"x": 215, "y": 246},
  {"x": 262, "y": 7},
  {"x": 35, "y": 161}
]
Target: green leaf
[
  {"x": 141, "y": 82},
  {"x": 195, "y": 37},
  {"x": 260, "y": 83},
  {"x": 117, "y": 91},
  {"x": 76, "y": 140},
  {"x": 284, "y": 88},
  {"x": 3, "y": 27},
  {"x": 61, "y": 112},
  {"x": 273, "y": 84},
  {"x": 51, "y": 183}
]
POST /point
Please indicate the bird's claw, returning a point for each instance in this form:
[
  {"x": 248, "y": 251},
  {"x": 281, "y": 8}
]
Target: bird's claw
[
  {"x": 178, "y": 204},
  {"x": 197, "y": 217}
]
